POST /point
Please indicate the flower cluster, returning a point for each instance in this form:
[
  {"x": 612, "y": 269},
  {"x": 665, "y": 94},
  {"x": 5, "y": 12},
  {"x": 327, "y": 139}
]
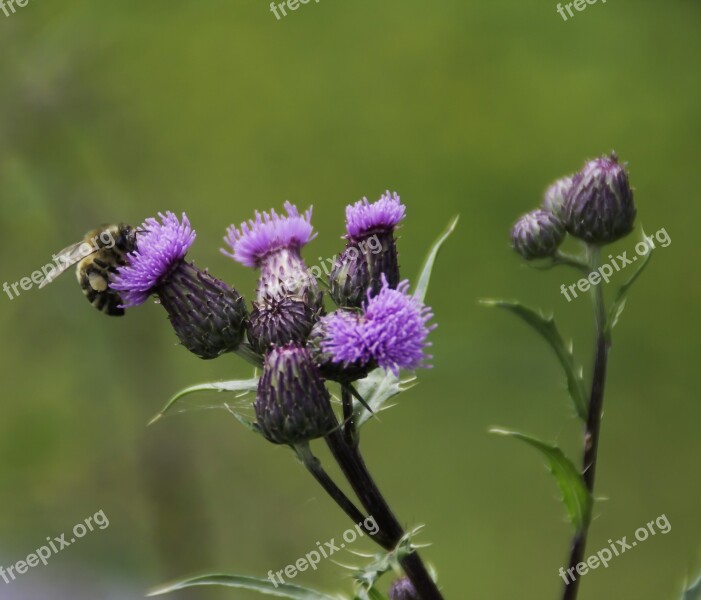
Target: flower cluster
[
  {"x": 377, "y": 322},
  {"x": 594, "y": 205}
]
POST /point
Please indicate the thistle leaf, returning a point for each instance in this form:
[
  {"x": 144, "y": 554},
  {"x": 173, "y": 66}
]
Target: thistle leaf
[
  {"x": 575, "y": 494},
  {"x": 425, "y": 275},
  {"x": 255, "y": 584},
  {"x": 693, "y": 592},
  {"x": 237, "y": 385},
  {"x": 546, "y": 327},
  {"x": 619, "y": 302},
  {"x": 377, "y": 389}
]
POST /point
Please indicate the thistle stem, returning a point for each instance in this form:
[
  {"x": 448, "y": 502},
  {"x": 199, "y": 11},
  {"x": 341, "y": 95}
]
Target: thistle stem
[
  {"x": 593, "y": 427},
  {"x": 314, "y": 467},
  {"x": 353, "y": 466},
  {"x": 348, "y": 416}
]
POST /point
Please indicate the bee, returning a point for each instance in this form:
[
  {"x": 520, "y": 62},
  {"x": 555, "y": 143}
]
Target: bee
[{"x": 97, "y": 255}]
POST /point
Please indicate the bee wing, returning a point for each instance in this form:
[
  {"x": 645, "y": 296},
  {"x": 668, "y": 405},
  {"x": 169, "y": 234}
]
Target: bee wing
[{"x": 66, "y": 259}]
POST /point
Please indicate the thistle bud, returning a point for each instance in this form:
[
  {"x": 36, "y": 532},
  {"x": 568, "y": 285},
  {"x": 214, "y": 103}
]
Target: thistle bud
[
  {"x": 537, "y": 234},
  {"x": 599, "y": 208},
  {"x": 207, "y": 315},
  {"x": 292, "y": 404},
  {"x": 403, "y": 589},
  {"x": 370, "y": 253},
  {"x": 556, "y": 195},
  {"x": 279, "y": 322}
]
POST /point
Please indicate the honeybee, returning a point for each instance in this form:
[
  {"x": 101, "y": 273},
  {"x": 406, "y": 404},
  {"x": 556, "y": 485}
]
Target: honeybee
[{"x": 97, "y": 255}]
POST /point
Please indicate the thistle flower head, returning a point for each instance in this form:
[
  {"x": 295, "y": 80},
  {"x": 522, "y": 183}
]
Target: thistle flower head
[
  {"x": 207, "y": 315},
  {"x": 537, "y": 234},
  {"x": 161, "y": 246},
  {"x": 343, "y": 327},
  {"x": 599, "y": 207},
  {"x": 273, "y": 243},
  {"x": 268, "y": 232},
  {"x": 556, "y": 194},
  {"x": 403, "y": 589},
  {"x": 363, "y": 218},
  {"x": 292, "y": 403},
  {"x": 392, "y": 331},
  {"x": 370, "y": 253}
]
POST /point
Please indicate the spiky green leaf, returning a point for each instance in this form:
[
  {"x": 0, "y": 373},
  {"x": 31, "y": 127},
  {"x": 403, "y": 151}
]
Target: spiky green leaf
[
  {"x": 425, "y": 274},
  {"x": 575, "y": 495},
  {"x": 377, "y": 389},
  {"x": 255, "y": 584},
  {"x": 693, "y": 592},
  {"x": 236, "y": 385},
  {"x": 546, "y": 327},
  {"x": 619, "y": 302}
]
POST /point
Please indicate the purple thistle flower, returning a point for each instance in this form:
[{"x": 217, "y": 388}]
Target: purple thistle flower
[
  {"x": 371, "y": 250},
  {"x": 272, "y": 243},
  {"x": 269, "y": 232},
  {"x": 403, "y": 589},
  {"x": 392, "y": 331},
  {"x": 207, "y": 315},
  {"x": 345, "y": 326},
  {"x": 160, "y": 247},
  {"x": 383, "y": 215}
]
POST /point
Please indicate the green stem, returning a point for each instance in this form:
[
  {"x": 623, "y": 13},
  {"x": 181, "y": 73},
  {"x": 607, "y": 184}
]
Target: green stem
[
  {"x": 314, "y": 467},
  {"x": 593, "y": 427},
  {"x": 354, "y": 468}
]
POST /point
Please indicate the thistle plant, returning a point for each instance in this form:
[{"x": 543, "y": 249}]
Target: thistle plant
[
  {"x": 595, "y": 206},
  {"x": 309, "y": 354}
]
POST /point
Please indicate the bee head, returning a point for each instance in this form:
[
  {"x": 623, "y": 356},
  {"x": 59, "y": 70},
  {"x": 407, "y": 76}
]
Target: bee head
[{"x": 126, "y": 238}]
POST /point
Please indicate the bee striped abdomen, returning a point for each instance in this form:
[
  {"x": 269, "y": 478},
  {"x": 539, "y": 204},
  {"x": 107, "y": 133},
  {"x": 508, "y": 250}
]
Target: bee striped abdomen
[{"x": 93, "y": 276}]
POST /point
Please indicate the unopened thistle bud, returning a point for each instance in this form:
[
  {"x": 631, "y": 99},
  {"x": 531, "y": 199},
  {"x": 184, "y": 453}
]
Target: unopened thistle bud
[
  {"x": 403, "y": 589},
  {"x": 537, "y": 234},
  {"x": 292, "y": 404},
  {"x": 370, "y": 252},
  {"x": 273, "y": 244},
  {"x": 599, "y": 208},
  {"x": 207, "y": 315},
  {"x": 279, "y": 322},
  {"x": 556, "y": 195}
]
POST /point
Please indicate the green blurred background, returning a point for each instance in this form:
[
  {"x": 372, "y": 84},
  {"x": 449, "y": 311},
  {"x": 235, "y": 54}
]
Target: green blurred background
[{"x": 114, "y": 111}]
